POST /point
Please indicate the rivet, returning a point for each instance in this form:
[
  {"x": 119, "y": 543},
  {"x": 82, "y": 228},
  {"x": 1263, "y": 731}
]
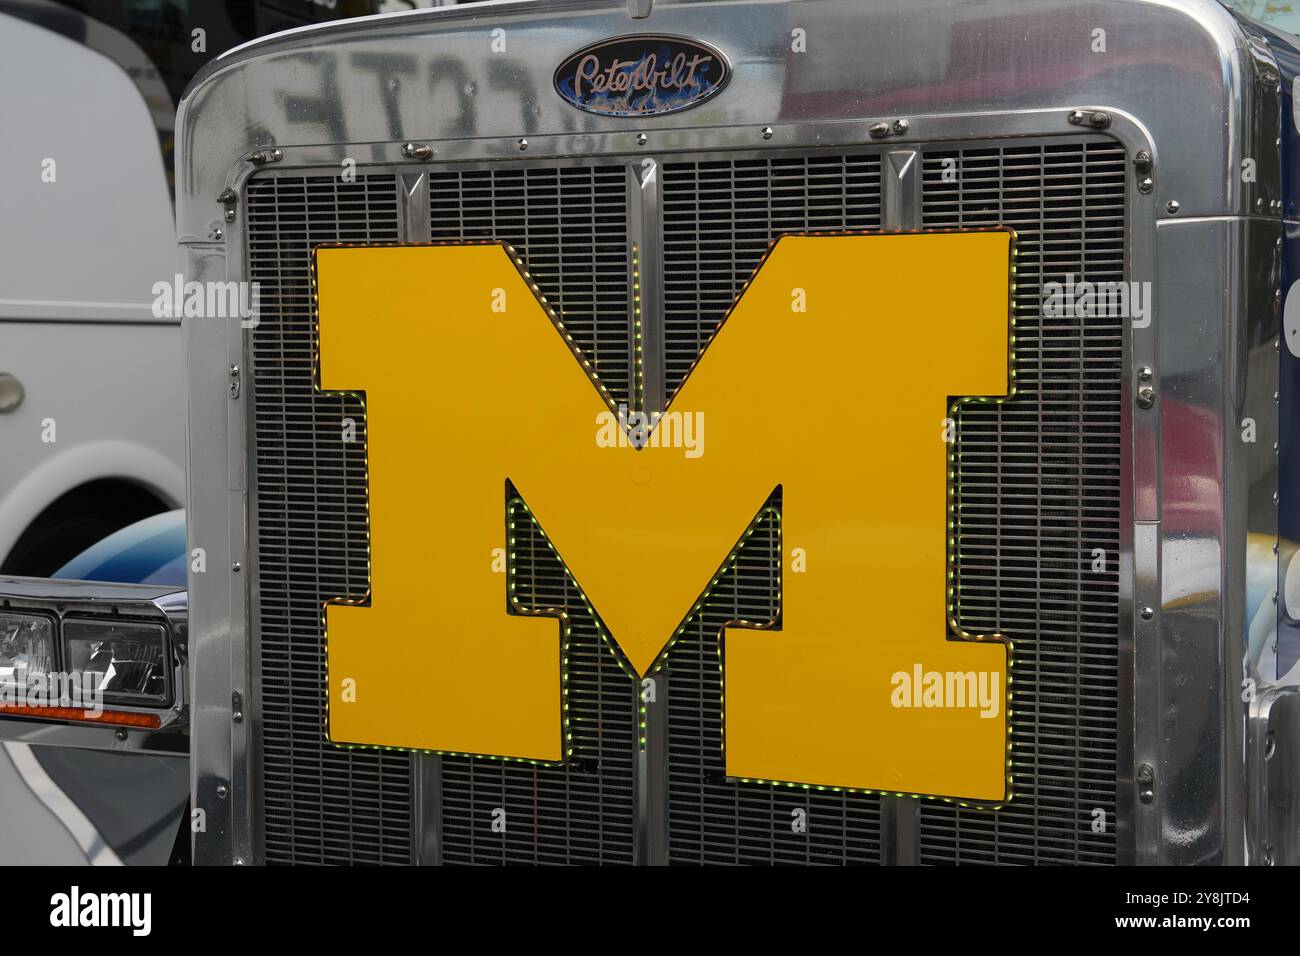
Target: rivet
[
  {"x": 900, "y": 127},
  {"x": 1147, "y": 613},
  {"x": 1146, "y": 397},
  {"x": 121, "y": 733},
  {"x": 642, "y": 139},
  {"x": 767, "y": 132},
  {"x": 222, "y": 791},
  {"x": 878, "y": 130},
  {"x": 416, "y": 151},
  {"x": 1173, "y": 207},
  {"x": 1146, "y": 778},
  {"x": 1145, "y": 374},
  {"x": 236, "y": 567},
  {"x": 1146, "y": 184},
  {"x": 523, "y": 144}
]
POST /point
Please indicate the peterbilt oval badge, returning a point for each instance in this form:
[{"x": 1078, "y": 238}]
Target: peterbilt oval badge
[{"x": 642, "y": 75}]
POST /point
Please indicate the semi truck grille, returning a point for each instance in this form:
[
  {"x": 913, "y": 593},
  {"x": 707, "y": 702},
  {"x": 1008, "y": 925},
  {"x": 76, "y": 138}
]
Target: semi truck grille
[{"x": 1038, "y": 485}]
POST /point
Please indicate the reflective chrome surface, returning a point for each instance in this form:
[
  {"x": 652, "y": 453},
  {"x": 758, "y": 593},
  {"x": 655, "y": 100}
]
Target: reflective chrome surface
[
  {"x": 431, "y": 77},
  {"x": 1274, "y": 747},
  {"x": 359, "y": 90}
]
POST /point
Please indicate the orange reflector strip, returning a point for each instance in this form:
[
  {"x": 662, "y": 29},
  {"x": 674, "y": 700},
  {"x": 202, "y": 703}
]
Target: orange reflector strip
[{"x": 123, "y": 718}]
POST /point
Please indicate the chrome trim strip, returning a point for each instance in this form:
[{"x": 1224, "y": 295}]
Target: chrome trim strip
[
  {"x": 900, "y": 208},
  {"x": 215, "y": 516},
  {"x": 646, "y": 231},
  {"x": 93, "y": 737}
]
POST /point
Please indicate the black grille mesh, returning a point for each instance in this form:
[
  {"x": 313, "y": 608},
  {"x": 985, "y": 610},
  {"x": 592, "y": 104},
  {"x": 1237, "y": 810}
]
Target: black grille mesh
[
  {"x": 572, "y": 220},
  {"x": 719, "y": 216},
  {"x": 1038, "y": 487},
  {"x": 320, "y": 803}
]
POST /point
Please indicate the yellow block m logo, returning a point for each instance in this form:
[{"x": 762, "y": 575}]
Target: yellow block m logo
[{"x": 815, "y": 383}]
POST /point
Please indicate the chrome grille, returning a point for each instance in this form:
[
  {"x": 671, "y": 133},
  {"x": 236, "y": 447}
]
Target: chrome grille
[
  {"x": 1038, "y": 488},
  {"x": 320, "y": 803}
]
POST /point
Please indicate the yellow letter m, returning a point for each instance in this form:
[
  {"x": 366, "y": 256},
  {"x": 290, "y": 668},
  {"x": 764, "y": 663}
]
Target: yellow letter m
[{"x": 832, "y": 378}]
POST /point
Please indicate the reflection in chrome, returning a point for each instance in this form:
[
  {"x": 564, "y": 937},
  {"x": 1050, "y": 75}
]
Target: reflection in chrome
[{"x": 79, "y": 827}]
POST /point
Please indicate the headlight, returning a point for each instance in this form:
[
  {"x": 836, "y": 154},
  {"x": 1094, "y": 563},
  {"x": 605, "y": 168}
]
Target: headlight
[
  {"x": 26, "y": 649},
  {"x": 128, "y": 660}
]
